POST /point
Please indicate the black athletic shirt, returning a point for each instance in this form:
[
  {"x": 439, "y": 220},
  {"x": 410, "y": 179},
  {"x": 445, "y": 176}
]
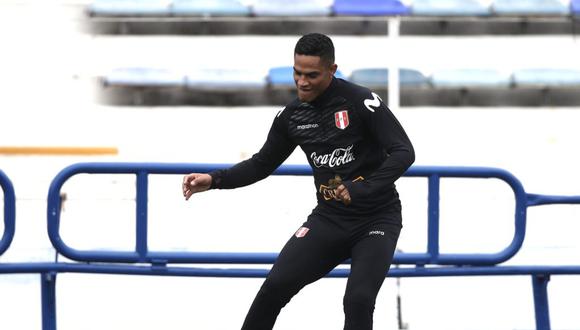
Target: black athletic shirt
[{"x": 347, "y": 132}]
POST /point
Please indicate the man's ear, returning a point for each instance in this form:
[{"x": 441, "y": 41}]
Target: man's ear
[{"x": 333, "y": 68}]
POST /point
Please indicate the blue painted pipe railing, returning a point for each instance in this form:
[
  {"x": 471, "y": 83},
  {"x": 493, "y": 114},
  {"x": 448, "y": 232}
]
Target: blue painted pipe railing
[
  {"x": 9, "y": 212},
  {"x": 142, "y": 254},
  {"x": 122, "y": 262}
]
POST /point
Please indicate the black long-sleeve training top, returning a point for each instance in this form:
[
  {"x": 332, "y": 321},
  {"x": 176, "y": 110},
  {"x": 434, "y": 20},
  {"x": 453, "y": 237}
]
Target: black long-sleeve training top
[{"x": 346, "y": 132}]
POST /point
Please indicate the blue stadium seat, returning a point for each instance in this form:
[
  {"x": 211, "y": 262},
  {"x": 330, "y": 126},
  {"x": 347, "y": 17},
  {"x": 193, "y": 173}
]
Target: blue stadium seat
[
  {"x": 449, "y": 8},
  {"x": 284, "y": 76},
  {"x": 369, "y": 8},
  {"x": 540, "y": 77},
  {"x": 144, "y": 77},
  {"x": 129, "y": 8},
  {"x": 281, "y": 76},
  {"x": 291, "y": 8},
  {"x": 379, "y": 77},
  {"x": 209, "y": 8},
  {"x": 470, "y": 78},
  {"x": 575, "y": 7},
  {"x": 226, "y": 79},
  {"x": 530, "y": 7}
]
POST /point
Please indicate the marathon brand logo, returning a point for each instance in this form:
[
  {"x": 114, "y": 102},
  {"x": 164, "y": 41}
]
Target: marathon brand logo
[
  {"x": 341, "y": 119},
  {"x": 307, "y": 126},
  {"x": 338, "y": 157}
]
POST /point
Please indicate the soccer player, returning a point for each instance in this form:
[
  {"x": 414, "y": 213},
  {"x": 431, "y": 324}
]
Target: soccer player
[{"x": 357, "y": 150}]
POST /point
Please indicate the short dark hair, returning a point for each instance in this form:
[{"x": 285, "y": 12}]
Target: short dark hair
[{"x": 316, "y": 44}]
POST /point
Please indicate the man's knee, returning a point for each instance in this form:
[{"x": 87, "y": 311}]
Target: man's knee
[
  {"x": 277, "y": 291},
  {"x": 359, "y": 303},
  {"x": 358, "y": 309},
  {"x": 359, "y": 298}
]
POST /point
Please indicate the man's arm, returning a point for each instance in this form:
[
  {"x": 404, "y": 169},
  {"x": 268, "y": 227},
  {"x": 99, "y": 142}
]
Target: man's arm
[
  {"x": 387, "y": 130},
  {"x": 276, "y": 149}
]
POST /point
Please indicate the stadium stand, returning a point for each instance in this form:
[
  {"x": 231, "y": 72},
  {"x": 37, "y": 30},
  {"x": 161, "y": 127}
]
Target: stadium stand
[
  {"x": 575, "y": 7},
  {"x": 451, "y": 87},
  {"x": 547, "y": 86},
  {"x": 470, "y": 78},
  {"x": 258, "y": 8},
  {"x": 369, "y": 8},
  {"x": 209, "y": 8},
  {"x": 415, "y": 87},
  {"x": 376, "y": 77},
  {"x": 546, "y": 78},
  {"x": 379, "y": 78},
  {"x": 144, "y": 77},
  {"x": 530, "y": 7},
  {"x": 263, "y": 17},
  {"x": 283, "y": 77},
  {"x": 226, "y": 80},
  {"x": 280, "y": 84},
  {"x": 290, "y": 8},
  {"x": 449, "y": 8},
  {"x": 129, "y": 8},
  {"x": 153, "y": 86},
  {"x": 417, "y": 17},
  {"x": 471, "y": 86}
]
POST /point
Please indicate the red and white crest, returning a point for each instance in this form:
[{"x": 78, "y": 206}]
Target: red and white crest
[
  {"x": 301, "y": 232},
  {"x": 341, "y": 119}
]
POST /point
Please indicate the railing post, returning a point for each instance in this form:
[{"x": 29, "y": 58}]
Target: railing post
[
  {"x": 9, "y": 212},
  {"x": 433, "y": 218},
  {"x": 48, "y": 297},
  {"x": 540, "y": 285},
  {"x": 141, "y": 225}
]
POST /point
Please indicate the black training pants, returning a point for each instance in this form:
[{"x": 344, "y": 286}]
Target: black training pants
[{"x": 369, "y": 242}]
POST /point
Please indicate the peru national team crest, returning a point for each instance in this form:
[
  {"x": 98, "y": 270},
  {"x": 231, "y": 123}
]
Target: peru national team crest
[{"x": 341, "y": 119}]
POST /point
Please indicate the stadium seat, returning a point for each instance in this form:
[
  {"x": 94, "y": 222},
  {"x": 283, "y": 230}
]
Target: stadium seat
[
  {"x": 470, "y": 78},
  {"x": 281, "y": 76},
  {"x": 209, "y": 8},
  {"x": 225, "y": 79},
  {"x": 530, "y": 7},
  {"x": 541, "y": 77},
  {"x": 284, "y": 76},
  {"x": 575, "y": 7},
  {"x": 129, "y": 8},
  {"x": 379, "y": 77},
  {"x": 449, "y": 8},
  {"x": 369, "y": 8},
  {"x": 144, "y": 77},
  {"x": 291, "y": 8}
]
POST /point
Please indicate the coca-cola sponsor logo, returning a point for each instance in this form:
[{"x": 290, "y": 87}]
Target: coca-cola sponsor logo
[{"x": 337, "y": 157}]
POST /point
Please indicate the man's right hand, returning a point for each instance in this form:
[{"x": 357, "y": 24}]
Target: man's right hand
[{"x": 194, "y": 183}]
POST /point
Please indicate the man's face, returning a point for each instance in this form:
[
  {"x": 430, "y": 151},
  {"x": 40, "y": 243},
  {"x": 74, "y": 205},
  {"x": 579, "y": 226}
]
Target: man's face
[{"x": 312, "y": 76}]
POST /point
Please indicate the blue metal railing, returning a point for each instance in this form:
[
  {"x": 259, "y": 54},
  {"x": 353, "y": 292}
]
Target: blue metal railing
[
  {"x": 441, "y": 264},
  {"x": 142, "y": 254},
  {"x": 9, "y": 212}
]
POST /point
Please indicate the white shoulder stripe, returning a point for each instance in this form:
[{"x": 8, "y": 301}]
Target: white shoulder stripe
[{"x": 280, "y": 112}]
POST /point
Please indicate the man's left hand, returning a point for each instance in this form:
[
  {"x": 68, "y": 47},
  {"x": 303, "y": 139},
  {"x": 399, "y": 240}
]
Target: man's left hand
[{"x": 342, "y": 194}]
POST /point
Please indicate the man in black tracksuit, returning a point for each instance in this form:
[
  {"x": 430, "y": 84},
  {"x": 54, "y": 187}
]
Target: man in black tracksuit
[{"x": 357, "y": 150}]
